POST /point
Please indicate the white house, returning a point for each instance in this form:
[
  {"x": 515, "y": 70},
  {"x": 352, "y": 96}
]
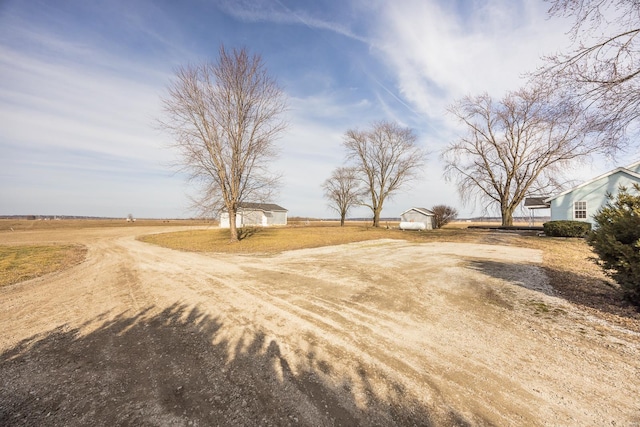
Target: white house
[
  {"x": 417, "y": 219},
  {"x": 582, "y": 202},
  {"x": 256, "y": 214}
]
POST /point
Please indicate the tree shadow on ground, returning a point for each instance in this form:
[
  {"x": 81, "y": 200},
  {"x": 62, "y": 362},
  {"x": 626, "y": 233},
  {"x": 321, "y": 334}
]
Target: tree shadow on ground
[
  {"x": 246, "y": 232},
  {"x": 587, "y": 291},
  {"x": 176, "y": 368}
]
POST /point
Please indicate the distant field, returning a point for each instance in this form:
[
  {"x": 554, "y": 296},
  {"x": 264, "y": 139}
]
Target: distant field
[
  {"x": 23, "y": 224},
  {"x": 30, "y": 259}
]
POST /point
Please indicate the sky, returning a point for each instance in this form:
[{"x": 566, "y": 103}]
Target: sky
[{"x": 81, "y": 84}]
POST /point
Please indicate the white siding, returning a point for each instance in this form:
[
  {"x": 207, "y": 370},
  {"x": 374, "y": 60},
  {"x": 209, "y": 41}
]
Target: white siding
[
  {"x": 224, "y": 220},
  {"x": 246, "y": 218},
  {"x": 415, "y": 216},
  {"x": 278, "y": 218}
]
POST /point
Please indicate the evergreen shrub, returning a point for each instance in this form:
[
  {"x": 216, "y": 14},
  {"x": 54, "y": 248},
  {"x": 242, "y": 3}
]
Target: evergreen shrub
[
  {"x": 616, "y": 240},
  {"x": 566, "y": 228}
]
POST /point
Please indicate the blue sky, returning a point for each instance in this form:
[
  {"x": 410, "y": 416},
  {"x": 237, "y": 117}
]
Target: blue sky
[{"x": 81, "y": 82}]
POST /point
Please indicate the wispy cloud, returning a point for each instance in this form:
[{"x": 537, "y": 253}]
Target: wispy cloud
[
  {"x": 81, "y": 84},
  {"x": 81, "y": 106},
  {"x": 279, "y": 13},
  {"x": 78, "y": 128},
  {"x": 438, "y": 55}
]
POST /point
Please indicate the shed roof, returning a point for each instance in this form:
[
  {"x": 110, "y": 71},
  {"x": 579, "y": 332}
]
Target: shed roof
[
  {"x": 423, "y": 211},
  {"x": 262, "y": 207},
  {"x": 538, "y": 202}
]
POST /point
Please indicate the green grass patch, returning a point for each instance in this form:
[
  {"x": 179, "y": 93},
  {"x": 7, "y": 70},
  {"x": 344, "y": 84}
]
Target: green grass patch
[{"x": 19, "y": 263}]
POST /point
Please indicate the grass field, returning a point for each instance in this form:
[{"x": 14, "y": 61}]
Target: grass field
[
  {"x": 316, "y": 234},
  {"x": 19, "y": 263}
]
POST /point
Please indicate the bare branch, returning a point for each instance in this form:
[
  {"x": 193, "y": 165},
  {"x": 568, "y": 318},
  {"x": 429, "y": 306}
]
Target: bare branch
[
  {"x": 602, "y": 71},
  {"x": 225, "y": 118},
  {"x": 443, "y": 215},
  {"x": 386, "y": 158},
  {"x": 343, "y": 191},
  {"x": 516, "y": 147}
]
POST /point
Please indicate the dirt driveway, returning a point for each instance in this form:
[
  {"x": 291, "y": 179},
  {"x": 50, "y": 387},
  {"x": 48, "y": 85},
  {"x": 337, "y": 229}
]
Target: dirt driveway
[{"x": 376, "y": 333}]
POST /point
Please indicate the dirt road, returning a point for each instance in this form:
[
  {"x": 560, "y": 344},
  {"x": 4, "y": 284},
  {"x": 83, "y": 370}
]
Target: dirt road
[{"x": 376, "y": 333}]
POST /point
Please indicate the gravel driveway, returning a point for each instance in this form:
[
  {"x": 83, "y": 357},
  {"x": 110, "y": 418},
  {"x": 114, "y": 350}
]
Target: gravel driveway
[{"x": 375, "y": 333}]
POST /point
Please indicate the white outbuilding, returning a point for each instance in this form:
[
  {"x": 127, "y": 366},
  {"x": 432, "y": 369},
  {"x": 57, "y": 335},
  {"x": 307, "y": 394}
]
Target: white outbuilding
[
  {"x": 256, "y": 214},
  {"x": 417, "y": 219}
]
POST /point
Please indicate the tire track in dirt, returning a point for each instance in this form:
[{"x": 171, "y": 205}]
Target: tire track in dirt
[
  {"x": 446, "y": 326},
  {"x": 386, "y": 346},
  {"x": 320, "y": 326}
]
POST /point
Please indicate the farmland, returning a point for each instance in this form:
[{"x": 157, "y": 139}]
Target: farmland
[{"x": 168, "y": 324}]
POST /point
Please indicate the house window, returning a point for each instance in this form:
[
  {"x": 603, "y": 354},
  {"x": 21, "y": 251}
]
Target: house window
[{"x": 580, "y": 210}]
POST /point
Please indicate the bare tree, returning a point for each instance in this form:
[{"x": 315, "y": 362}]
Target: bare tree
[
  {"x": 443, "y": 215},
  {"x": 386, "y": 158},
  {"x": 516, "y": 147},
  {"x": 343, "y": 191},
  {"x": 602, "y": 69},
  {"x": 225, "y": 117}
]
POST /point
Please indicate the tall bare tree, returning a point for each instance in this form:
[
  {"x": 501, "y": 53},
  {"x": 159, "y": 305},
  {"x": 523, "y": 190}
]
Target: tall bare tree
[
  {"x": 386, "y": 158},
  {"x": 602, "y": 69},
  {"x": 516, "y": 147},
  {"x": 225, "y": 118},
  {"x": 343, "y": 191}
]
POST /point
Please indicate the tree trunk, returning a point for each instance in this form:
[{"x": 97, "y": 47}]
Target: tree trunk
[
  {"x": 342, "y": 220},
  {"x": 507, "y": 216},
  {"x": 376, "y": 217},
  {"x": 232, "y": 227}
]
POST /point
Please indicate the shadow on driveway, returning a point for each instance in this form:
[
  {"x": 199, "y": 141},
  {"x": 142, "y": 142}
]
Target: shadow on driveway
[{"x": 174, "y": 369}]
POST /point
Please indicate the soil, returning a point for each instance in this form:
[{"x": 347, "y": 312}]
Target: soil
[{"x": 376, "y": 333}]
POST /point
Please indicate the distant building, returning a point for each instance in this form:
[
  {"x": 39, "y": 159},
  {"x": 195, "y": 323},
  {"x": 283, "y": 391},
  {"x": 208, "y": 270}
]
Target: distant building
[
  {"x": 417, "y": 219},
  {"x": 256, "y": 214}
]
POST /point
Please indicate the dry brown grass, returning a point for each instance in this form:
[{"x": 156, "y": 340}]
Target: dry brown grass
[
  {"x": 316, "y": 234},
  {"x": 575, "y": 277},
  {"x": 19, "y": 263}
]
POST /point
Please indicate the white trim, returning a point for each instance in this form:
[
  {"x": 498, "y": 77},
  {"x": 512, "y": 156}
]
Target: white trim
[
  {"x": 616, "y": 170},
  {"x": 575, "y": 209},
  {"x": 633, "y": 165},
  {"x": 424, "y": 211}
]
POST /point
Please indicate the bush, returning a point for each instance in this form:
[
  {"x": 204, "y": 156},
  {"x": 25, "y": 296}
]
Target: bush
[
  {"x": 443, "y": 215},
  {"x": 566, "y": 228},
  {"x": 616, "y": 241}
]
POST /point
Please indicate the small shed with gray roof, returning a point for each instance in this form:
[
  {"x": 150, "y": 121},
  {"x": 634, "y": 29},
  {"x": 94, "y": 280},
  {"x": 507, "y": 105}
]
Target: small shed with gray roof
[
  {"x": 256, "y": 214},
  {"x": 417, "y": 219}
]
